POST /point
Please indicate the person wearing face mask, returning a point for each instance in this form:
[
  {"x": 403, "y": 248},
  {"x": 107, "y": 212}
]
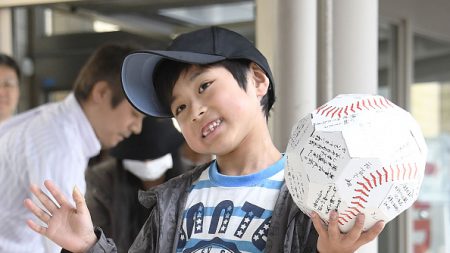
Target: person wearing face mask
[{"x": 139, "y": 163}]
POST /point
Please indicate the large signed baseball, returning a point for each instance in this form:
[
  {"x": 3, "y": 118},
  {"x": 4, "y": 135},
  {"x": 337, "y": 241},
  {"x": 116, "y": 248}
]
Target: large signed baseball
[{"x": 356, "y": 154}]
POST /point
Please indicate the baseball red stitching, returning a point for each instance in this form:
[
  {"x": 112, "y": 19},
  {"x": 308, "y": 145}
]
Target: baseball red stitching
[
  {"x": 366, "y": 185},
  {"x": 360, "y": 105}
]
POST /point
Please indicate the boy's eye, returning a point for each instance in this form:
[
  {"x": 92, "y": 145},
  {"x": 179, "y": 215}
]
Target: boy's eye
[
  {"x": 203, "y": 87},
  {"x": 179, "y": 109}
]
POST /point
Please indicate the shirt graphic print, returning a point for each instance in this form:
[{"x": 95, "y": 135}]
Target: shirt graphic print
[{"x": 230, "y": 214}]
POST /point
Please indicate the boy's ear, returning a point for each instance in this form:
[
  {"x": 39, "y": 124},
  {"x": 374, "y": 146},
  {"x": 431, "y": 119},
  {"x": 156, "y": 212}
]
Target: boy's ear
[
  {"x": 100, "y": 91},
  {"x": 260, "y": 79}
]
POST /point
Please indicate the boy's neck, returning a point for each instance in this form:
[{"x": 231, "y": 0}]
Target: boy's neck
[{"x": 252, "y": 156}]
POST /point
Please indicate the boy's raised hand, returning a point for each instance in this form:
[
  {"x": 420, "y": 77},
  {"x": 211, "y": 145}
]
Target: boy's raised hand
[
  {"x": 331, "y": 240},
  {"x": 69, "y": 227}
]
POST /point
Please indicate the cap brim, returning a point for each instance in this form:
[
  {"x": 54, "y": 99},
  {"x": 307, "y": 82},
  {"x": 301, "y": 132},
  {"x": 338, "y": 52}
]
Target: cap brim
[{"x": 137, "y": 77}]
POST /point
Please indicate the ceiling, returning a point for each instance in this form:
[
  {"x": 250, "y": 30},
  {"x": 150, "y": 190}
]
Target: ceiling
[
  {"x": 164, "y": 19},
  {"x": 159, "y": 19}
]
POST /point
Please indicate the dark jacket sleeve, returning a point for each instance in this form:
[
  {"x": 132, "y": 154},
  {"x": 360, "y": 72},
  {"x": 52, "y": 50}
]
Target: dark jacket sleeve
[
  {"x": 103, "y": 245},
  {"x": 147, "y": 239},
  {"x": 291, "y": 231},
  {"x": 166, "y": 203},
  {"x": 304, "y": 237}
]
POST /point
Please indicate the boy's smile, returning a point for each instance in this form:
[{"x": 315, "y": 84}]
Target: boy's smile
[{"x": 210, "y": 127}]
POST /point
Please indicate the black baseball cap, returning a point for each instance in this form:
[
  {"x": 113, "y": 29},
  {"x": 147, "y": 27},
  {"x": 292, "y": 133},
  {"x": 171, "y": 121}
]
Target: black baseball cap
[{"x": 204, "y": 46}]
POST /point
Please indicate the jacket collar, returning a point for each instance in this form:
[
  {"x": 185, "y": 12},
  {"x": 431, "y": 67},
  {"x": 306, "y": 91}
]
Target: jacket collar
[{"x": 172, "y": 187}]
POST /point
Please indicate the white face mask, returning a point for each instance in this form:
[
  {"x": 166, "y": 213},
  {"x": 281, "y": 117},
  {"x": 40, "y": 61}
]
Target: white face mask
[{"x": 149, "y": 170}]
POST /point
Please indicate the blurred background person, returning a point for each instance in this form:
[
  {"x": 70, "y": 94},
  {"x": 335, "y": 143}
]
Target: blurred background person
[
  {"x": 9, "y": 86},
  {"x": 139, "y": 163},
  {"x": 55, "y": 141}
]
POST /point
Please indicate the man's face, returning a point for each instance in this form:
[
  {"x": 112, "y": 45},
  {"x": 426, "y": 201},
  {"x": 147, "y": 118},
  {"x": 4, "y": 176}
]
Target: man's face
[
  {"x": 9, "y": 91},
  {"x": 116, "y": 124},
  {"x": 215, "y": 114}
]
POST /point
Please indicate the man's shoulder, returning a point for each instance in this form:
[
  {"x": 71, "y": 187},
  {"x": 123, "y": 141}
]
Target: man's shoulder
[
  {"x": 32, "y": 130},
  {"x": 37, "y": 120}
]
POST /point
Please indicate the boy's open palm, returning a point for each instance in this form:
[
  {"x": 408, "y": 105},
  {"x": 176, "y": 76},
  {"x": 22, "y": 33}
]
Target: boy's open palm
[
  {"x": 331, "y": 240},
  {"x": 69, "y": 227}
]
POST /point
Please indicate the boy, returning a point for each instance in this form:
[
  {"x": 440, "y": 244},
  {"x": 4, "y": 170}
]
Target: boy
[{"x": 219, "y": 88}]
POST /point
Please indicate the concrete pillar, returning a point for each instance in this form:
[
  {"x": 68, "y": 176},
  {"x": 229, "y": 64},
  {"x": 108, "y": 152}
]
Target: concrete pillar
[
  {"x": 355, "y": 46},
  {"x": 355, "y": 55},
  {"x": 351, "y": 63},
  {"x": 266, "y": 20},
  {"x": 324, "y": 51},
  {"x": 295, "y": 66},
  {"x": 6, "y": 34}
]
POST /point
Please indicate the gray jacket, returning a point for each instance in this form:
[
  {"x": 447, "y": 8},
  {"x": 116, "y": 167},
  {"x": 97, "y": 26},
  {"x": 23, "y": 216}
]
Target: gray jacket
[{"x": 290, "y": 231}]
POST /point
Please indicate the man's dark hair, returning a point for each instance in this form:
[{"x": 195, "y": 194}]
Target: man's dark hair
[
  {"x": 5, "y": 60},
  {"x": 103, "y": 65},
  {"x": 167, "y": 73}
]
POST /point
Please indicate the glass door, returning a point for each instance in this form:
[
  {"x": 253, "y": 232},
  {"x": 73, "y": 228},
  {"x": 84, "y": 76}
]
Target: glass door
[{"x": 430, "y": 105}]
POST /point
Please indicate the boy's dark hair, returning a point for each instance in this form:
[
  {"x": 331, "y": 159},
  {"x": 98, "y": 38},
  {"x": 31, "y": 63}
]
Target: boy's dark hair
[
  {"x": 103, "y": 65},
  {"x": 167, "y": 73},
  {"x": 5, "y": 60}
]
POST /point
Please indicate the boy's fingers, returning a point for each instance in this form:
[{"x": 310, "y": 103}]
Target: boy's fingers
[
  {"x": 333, "y": 228},
  {"x": 38, "y": 212},
  {"x": 317, "y": 222},
  {"x": 355, "y": 233},
  {"x": 370, "y": 234},
  {"x": 43, "y": 198},
  {"x": 35, "y": 227},
  {"x": 79, "y": 200},
  {"x": 56, "y": 193}
]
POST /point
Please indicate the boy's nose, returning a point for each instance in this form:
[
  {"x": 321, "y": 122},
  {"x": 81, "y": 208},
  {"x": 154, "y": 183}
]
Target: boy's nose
[{"x": 198, "y": 112}]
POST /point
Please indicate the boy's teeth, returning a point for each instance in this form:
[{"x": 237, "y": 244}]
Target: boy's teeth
[{"x": 211, "y": 127}]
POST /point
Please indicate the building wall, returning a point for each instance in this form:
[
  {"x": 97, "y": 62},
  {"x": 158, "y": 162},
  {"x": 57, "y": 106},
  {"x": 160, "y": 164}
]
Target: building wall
[{"x": 430, "y": 17}]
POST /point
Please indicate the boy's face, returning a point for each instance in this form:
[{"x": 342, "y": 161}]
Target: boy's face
[{"x": 215, "y": 114}]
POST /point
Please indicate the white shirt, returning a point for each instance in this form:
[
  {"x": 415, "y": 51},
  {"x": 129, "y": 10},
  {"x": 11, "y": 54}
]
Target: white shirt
[{"x": 53, "y": 141}]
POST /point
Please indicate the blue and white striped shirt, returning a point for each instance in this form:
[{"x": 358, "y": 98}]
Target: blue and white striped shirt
[{"x": 230, "y": 213}]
